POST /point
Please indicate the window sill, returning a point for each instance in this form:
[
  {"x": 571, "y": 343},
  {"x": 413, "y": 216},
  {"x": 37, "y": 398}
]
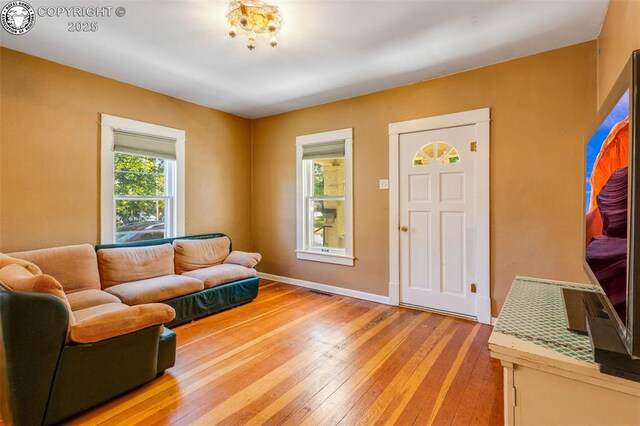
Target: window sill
[{"x": 337, "y": 259}]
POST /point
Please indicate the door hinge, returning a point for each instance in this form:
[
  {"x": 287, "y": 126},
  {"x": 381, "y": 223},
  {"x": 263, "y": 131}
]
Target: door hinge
[
  {"x": 473, "y": 287},
  {"x": 473, "y": 146}
]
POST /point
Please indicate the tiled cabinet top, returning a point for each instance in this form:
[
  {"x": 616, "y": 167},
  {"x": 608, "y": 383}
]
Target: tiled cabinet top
[{"x": 534, "y": 311}]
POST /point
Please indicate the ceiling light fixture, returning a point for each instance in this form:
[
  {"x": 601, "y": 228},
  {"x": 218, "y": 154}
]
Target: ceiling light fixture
[{"x": 254, "y": 17}]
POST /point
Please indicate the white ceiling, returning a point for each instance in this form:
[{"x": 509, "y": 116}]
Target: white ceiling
[{"x": 329, "y": 50}]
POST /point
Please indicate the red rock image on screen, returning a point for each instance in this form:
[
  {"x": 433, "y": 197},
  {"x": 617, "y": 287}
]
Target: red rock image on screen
[{"x": 606, "y": 222}]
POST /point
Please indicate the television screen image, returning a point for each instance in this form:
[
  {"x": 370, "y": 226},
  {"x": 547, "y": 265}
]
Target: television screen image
[{"x": 606, "y": 200}]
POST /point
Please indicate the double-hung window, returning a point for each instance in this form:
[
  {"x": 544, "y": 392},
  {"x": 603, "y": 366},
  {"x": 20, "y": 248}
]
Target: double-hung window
[
  {"x": 324, "y": 197},
  {"x": 142, "y": 181}
]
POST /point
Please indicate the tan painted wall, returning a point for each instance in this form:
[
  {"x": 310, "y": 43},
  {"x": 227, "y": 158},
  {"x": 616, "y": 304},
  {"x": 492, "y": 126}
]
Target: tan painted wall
[
  {"x": 541, "y": 107},
  {"x": 49, "y": 164},
  {"x": 620, "y": 35}
]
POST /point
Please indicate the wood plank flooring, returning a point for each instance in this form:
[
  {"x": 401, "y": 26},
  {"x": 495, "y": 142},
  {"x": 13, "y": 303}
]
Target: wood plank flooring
[{"x": 294, "y": 357}]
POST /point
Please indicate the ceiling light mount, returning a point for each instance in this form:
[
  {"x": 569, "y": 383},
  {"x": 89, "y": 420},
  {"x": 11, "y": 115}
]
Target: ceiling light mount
[{"x": 254, "y": 17}]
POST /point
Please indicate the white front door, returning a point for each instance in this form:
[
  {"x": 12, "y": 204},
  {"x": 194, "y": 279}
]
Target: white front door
[{"x": 438, "y": 219}]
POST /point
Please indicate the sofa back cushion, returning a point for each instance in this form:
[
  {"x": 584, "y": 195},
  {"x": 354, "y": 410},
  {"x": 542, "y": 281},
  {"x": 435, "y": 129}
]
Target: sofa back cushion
[
  {"x": 197, "y": 254},
  {"x": 75, "y": 267},
  {"x": 127, "y": 264},
  {"x": 19, "y": 279}
]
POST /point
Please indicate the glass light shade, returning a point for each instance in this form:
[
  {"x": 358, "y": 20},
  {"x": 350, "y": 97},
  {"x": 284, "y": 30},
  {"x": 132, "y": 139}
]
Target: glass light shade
[{"x": 251, "y": 41}]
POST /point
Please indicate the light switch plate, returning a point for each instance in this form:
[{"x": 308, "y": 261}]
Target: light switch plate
[{"x": 383, "y": 184}]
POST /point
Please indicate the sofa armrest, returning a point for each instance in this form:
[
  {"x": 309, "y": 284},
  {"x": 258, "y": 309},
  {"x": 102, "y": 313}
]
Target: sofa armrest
[
  {"x": 33, "y": 329},
  {"x": 124, "y": 321},
  {"x": 243, "y": 258}
]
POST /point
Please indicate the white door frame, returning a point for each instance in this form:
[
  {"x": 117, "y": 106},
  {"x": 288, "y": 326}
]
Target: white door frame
[{"x": 480, "y": 118}]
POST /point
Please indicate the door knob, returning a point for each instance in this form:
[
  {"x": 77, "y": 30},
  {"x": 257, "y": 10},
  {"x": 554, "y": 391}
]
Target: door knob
[{"x": 404, "y": 228}]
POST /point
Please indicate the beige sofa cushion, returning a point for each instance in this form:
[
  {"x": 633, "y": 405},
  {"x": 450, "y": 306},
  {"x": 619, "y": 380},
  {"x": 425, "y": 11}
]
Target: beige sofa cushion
[
  {"x": 115, "y": 319},
  {"x": 197, "y": 254},
  {"x": 155, "y": 289},
  {"x": 242, "y": 258},
  {"x": 75, "y": 267},
  {"x": 29, "y": 266},
  {"x": 127, "y": 264},
  {"x": 221, "y": 274},
  {"x": 84, "y": 299},
  {"x": 19, "y": 279},
  {"x": 92, "y": 311}
]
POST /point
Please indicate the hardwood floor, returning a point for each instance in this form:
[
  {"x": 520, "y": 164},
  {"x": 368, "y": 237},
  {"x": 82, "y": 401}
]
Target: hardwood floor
[{"x": 296, "y": 357}]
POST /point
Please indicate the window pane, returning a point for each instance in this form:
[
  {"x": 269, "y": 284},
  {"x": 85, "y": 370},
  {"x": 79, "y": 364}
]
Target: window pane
[
  {"x": 135, "y": 175},
  {"x": 443, "y": 147},
  {"x": 328, "y": 177},
  {"x": 451, "y": 157},
  {"x": 420, "y": 159},
  {"x": 328, "y": 223},
  {"x": 428, "y": 150},
  {"x": 138, "y": 220}
]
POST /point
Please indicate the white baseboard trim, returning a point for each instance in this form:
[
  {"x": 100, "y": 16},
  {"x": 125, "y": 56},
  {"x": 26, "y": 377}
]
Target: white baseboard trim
[
  {"x": 327, "y": 288},
  {"x": 493, "y": 321}
]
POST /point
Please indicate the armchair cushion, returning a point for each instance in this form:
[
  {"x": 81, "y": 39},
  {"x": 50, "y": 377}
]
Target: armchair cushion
[
  {"x": 112, "y": 320},
  {"x": 19, "y": 279},
  {"x": 29, "y": 266},
  {"x": 83, "y": 314},
  {"x": 88, "y": 298},
  {"x": 242, "y": 258},
  {"x": 197, "y": 254},
  {"x": 126, "y": 264},
  {"x": 221, "y": 274}
]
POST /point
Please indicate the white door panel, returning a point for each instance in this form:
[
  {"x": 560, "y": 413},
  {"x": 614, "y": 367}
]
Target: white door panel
[
  {"x": 452, "y": 187},
  {"x": 437, "y": 206},
  {"x": 419, "y": 239},
  {"x": 419, "y": 188},
  {"x": 452, "y": 243}
]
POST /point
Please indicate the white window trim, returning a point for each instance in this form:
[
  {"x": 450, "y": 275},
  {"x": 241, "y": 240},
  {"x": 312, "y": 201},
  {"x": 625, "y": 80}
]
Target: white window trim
[
  {"x": 109, "y": 123},
  {"x": 313, "y": 255}
]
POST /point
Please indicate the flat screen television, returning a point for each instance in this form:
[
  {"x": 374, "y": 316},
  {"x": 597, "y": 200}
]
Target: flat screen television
[{"x": 612, "y": 210}]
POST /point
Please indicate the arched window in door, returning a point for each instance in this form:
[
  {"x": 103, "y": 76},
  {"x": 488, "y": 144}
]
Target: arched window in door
[{"x": 439, "y": 151}]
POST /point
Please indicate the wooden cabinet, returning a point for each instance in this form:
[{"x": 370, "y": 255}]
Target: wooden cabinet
[{"x": 549, "y": 376}]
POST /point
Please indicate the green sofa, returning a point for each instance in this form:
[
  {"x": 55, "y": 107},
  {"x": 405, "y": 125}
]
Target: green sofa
[
  {"x": 209, "y": 300},
  {"x": 45, "y": 378}
]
